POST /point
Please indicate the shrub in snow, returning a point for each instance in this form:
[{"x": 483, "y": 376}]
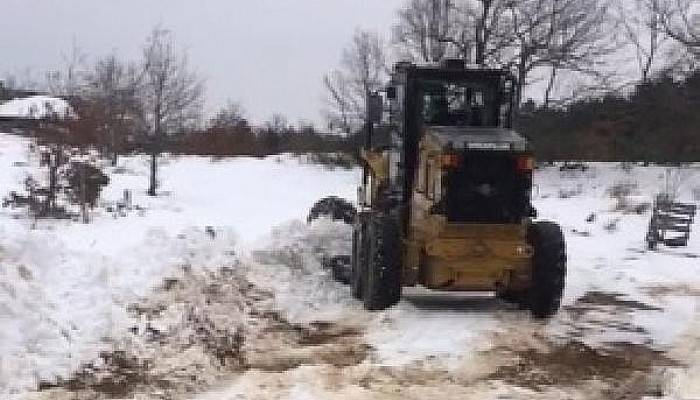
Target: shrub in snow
[
  {"x": 70, "y": 183},
  {"x": 84, "y": 183}
]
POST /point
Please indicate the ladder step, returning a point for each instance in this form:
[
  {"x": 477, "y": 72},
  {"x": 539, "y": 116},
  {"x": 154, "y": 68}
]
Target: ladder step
[
  {"x": 676, "y": 242},
  {"x": 673, "y": 228}
]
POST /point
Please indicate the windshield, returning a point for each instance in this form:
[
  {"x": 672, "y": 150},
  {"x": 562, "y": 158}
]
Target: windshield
[{"x": 459, "y": 104}]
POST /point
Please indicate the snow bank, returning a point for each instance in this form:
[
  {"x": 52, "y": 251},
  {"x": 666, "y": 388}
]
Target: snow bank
[
  {"x": 289, "y": 265},
  {"x": 64, "y": 286},
  {"x": 36, "y": 107}
]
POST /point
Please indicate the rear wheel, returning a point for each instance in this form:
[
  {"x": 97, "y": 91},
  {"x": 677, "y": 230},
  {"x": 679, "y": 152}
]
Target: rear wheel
[
  {"x": 548, "y": 269},
  {"x": 381, "y": 281}
]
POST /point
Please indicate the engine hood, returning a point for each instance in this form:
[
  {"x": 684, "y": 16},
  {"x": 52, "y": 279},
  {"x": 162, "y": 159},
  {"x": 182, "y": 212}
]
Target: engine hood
[{"x": 477, "y": 138}]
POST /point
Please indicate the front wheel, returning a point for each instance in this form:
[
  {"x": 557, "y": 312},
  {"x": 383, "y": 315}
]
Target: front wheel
[{"x": 548, "y": 269}]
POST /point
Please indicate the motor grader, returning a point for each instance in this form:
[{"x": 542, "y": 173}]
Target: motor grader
[{"x": 445, "y": 195}]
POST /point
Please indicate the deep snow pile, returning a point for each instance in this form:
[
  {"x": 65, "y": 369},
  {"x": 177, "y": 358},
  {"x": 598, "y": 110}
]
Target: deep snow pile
[
  {"x": 64, "y": 286},
  {"x": 36, "y": 107}
]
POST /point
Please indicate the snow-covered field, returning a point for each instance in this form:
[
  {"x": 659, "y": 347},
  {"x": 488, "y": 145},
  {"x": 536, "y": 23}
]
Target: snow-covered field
[
  {"x": 64, "y": 285},
  {"x": 224, "y": 254}
]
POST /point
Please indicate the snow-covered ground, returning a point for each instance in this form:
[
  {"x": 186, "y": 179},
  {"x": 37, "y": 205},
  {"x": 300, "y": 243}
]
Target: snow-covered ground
[
  {"x": 36, "y": 107},
  {"x": 64, "y": 285},
  {"x": 67, "y": 291}
]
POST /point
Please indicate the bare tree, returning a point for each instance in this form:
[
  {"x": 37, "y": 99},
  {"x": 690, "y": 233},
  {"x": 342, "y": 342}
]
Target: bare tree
[
  {"x": 277, "y": 124},
  {"x": 112, "y": 94},
  {"x": 642, "y": 29},
  {"x": 305, "y": 127},
  {"x": 475, "y": 29},
  {"x": 554, "y": 34},
  {"x": 363, "y": 69},
  {"x": 69, "y": 79},
  {"x": 172, "y": 93},
  {"x": 487, "y": 16},
  {"x": 580, "y": 39},
  {"x": 21, "y": 80},
  {"x": 340, "y": 102},
  {"x": 232, "y": 115},
  {"x": 365, "y": 62},
  {"x": 272, "y": 131},
  {"x": 430, "y": 30},
  {"x": 424, "y": 29},
  {"x": 680, "y": 20}
]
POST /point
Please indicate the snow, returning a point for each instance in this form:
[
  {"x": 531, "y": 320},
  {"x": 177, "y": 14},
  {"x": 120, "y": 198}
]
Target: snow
[
  {"x": 606, "y": 255},
  {"x": 65, "y": 286},
  {"x": 36, "y": 107}
]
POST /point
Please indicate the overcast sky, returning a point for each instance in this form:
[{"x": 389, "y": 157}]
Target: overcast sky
[{"x": 268, "y": 54}]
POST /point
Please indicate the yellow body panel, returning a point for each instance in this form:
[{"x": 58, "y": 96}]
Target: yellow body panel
[
  {"x": 470, "y": 257},
  {"x": 377, "y": 162},
  {"x": 454, "y": 256}
]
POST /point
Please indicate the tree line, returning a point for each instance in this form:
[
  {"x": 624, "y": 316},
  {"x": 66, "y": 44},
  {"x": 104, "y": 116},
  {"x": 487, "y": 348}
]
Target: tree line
[
  {"x": 155, "y": 104},
  {"x": 657, "y": 122},
  {"x": 568, "y": 57},
  {"x": 565, "y": 53}
]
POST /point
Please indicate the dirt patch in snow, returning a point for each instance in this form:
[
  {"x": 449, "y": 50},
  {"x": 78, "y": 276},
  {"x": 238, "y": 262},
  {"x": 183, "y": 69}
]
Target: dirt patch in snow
[
  {"x": 606, "y": 303},
  {"x": 595, "y": 298},
  {"x": 117, "y": 376},
  {"x": 672, "y": 290},
  {"x": 598, "y": 311},
  {"x": 199, "y": 329},
  {"x": 573, "y": 363},
  {"x": 314, "y": 343}
]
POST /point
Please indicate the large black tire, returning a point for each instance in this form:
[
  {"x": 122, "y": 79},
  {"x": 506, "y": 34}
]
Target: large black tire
[
  {"x": 381, "y": 283},
  {"x": 334, "y": 207},
  {"x": 548, "y": 269}
]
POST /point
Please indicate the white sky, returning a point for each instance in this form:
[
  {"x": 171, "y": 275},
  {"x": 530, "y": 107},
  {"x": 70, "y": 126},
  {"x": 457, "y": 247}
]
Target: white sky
[{"x": 268, "y": 54}]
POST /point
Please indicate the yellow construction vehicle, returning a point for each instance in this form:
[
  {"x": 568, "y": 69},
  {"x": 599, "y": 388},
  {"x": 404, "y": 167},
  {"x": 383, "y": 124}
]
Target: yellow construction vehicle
[{"x": 445, "y": 195}]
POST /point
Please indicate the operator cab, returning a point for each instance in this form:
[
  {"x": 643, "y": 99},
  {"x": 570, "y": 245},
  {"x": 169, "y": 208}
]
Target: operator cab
[{"x": 455, "y": 123}]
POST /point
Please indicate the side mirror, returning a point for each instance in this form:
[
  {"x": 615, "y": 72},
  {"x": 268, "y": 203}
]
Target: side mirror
[{"x": 375, "y": 108}]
